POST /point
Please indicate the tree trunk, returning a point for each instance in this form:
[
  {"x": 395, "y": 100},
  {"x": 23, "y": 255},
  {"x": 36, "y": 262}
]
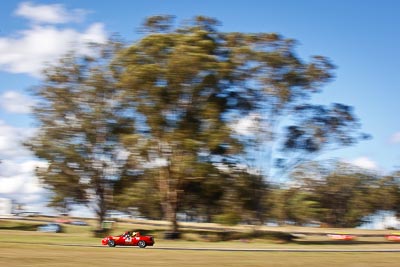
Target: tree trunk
[
  {"x": 169, "y": 194},
  {"x": 172, "y": 214}
]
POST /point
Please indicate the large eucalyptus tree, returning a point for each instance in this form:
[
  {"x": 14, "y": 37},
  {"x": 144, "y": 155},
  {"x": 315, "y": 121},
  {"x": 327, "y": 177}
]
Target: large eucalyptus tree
[
  {"x": 80, "y": 120},
  {"x": 192, "y": 83},
  {"x": 183, "y": 83}
]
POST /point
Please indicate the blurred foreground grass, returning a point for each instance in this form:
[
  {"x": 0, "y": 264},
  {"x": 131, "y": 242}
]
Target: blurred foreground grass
[{"x": 21, "y": 255}]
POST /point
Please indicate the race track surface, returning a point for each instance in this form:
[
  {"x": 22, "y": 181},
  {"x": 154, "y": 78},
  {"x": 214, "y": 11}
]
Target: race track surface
[{"x": 225, "y": 249}]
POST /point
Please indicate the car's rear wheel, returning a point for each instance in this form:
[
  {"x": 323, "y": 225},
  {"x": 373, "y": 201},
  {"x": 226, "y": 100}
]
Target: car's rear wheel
[
  {"x": 111, "y": 243},
  {"x": 141, "y": 244}
]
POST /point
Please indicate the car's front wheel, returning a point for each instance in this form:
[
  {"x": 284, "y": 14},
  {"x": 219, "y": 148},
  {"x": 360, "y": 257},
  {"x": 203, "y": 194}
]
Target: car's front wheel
[
  {"x": 141, "y": 244},
  {"x": 111, "y": 243}
]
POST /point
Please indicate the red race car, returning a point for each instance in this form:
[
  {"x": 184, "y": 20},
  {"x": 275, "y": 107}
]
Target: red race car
[
  {"x": 345, "y": 237},
  {"x": 393, "y": 237},
  {"x": 129, "y": 239}
]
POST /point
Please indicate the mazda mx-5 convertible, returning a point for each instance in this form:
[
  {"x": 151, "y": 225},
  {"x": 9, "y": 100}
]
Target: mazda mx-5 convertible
[{"x": 129, "y": 239}]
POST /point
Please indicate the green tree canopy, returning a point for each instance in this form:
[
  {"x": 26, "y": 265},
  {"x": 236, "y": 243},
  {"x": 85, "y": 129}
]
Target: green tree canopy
[
  {"x": 80, "y": 120},
  {"x": 182, "y": 83},
  {"x": 192, "y": 83},
  {"x": 346, "y": 195},
  {"x": 162, "y": 112}
]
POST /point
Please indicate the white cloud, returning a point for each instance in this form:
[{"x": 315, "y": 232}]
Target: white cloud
[
  {"x": 247, "y": 125},
  {"x": 17, "y": 181},
  {"x": 17, "y": 168},
  {"x": 55, "y": 13},
  {"x": 395, "y": 139},
  {"x": 15, "y": 102},
  {"x": 27, "y": 51},
  {"x": 38, "y": 45},
  {"x": 11, "y": 139},
  {"x": 365, "y": 163}
]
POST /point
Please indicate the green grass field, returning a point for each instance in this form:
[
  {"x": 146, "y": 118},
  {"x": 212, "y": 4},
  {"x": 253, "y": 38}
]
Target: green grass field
[{"x": 76, "y": 246}]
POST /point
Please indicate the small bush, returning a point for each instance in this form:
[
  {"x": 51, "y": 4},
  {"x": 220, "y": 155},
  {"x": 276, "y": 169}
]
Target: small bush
[
  {"x": 22, "y": 226},
  {"x": 227, "y": 219},
  {"x": 172, "y": 235}
]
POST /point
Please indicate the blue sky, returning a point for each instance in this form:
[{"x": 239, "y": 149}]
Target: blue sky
[{"x": 362, "y": 39}]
